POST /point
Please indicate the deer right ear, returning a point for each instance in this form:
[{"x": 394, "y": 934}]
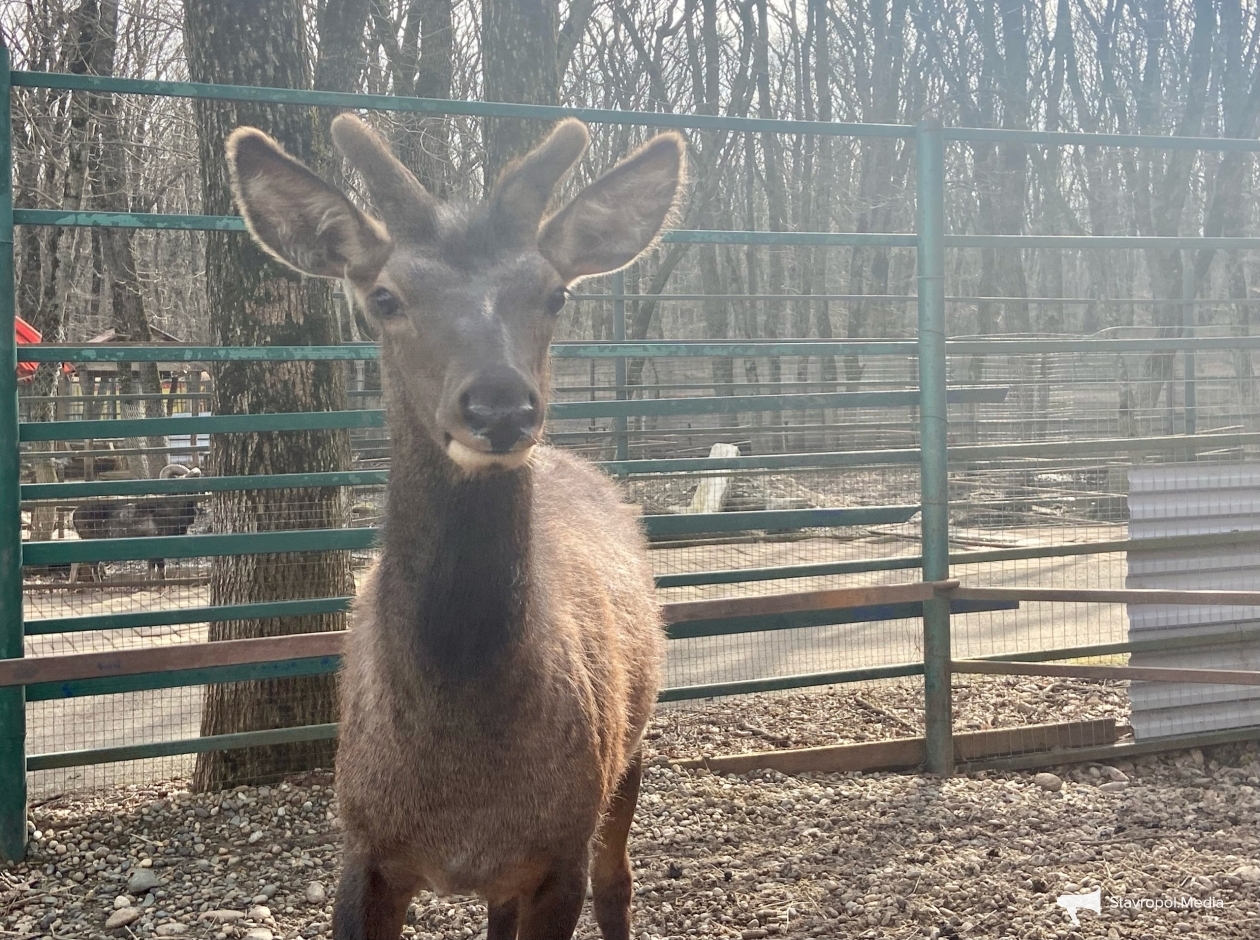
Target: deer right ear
[{"x": 297, "y": 217}]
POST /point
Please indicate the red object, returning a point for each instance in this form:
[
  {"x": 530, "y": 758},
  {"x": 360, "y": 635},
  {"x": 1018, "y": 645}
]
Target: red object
[{"x": 27, "y": 335}]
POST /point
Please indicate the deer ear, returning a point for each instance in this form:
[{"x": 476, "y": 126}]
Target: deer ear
[
  {"x": 618, "y": 217},
  {"x": 297, "y": 217}
]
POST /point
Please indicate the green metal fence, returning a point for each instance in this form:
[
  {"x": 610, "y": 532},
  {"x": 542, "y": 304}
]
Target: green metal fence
[{"x": 923, "y": 395}]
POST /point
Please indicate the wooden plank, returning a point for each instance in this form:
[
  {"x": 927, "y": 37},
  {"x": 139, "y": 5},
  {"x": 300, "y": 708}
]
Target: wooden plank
[
  {"x": 907, "y": 753},
  {"x": 1098, "y": 596},
  {"x": 992, "y": 667},
  {"x": 305, "y": 645},
  {"x": 836, "y": 599},
  {"x": 168, "y": 658}
]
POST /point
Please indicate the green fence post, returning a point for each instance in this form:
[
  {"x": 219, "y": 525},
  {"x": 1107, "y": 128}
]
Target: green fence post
[
  {"x": 1189, "y": 321},
  {"x": 12, "y": 700},
  {"x": 619, "y": 364},
  {"x": 933, "y": 440}
]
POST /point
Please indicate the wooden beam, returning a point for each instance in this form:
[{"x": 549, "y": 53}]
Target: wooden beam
[
  {"x": 306, "y": 645},
  {"x": 169, "y": 658},
  {"x": 835, "y": 599},
  {"x": 991, "y": 667},
  {"x": 908, "y": 753},
  {"x": 1098, "y": 596}
]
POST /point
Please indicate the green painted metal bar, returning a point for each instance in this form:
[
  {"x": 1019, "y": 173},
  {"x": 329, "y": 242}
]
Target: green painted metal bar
[
  {"x": 823, "y": 239},
  {"x": 157, "y": 221},
  {"x": 786, "y": 572},
  {"x": 872, "y": 613},
  {"x": 1015, "y": 347},
  {"x": 647, "y": 349},
  {"x": 780, "y": 683},
  {"x": 934, "y": 443},
  {"x": 706, "y": 523},
  {"x": 181, "y": 678},
  {"x": 219, "y": 223},
  {"x": 1161, "y": 645},
  {"x": 444, "y": 106},
  {"x": 766, "y": 462},
  {"x": 1113, "y": 752},
  {"x": 275, "y": 481},
  {"x": 622, "y": 446},
  {"x": 197, "y": 546},
  {"x": 322, "y": 540},
  {"x": 12, "y": 707},
  {"x": 202, "y": 424},
  {"x": 173, "y": 352},
  {"x": 651, "y": 349},
  {"x": 959, "y": 453},
  {"x": 731, "y": 404},
  {"x": 1100, "y": 242},
  {"x": 216, "y": 742},
  {"x": 1072, "y": 139},
  {"x": 181, "y": 615},
  {"x": 1189, "y": 318}
]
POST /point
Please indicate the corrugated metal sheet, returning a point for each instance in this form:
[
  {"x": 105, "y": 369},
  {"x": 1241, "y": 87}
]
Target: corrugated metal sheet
[{"x": 1194, "y": 499}]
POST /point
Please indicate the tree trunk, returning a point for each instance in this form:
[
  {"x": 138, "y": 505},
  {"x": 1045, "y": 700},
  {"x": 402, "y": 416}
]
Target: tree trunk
[
  {"x": 519, "y": 63},
  {"x": 89, "y": 54},
  {"x": 256, "y": 302}
]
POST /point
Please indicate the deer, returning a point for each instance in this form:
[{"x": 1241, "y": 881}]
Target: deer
[
  {"x": 138, "y": 518},
  {"x": 505, "y": 652}
]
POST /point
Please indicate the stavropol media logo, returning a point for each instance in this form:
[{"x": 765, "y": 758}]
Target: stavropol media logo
[
  {"x": 1093, "y": 901},
  {"x": 1076, "y": 902}
]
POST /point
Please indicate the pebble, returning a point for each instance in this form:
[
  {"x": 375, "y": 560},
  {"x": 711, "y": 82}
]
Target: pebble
[
  {"x": 223, "y": 916},
  {"x": 1049, "y": 781},
  {"x": 121, "y": 901},
  {"x": 258, "y": 933},
  {"x": 142, "y": 880},
  {"x": 717, "y": 855},
  {"x": 315, "y": 893},
  {"x": 122, "y": 917},
  {"x": 1113, "y": 786}
]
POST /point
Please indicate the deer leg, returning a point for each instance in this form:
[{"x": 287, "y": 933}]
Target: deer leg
[
  {"x": 503, "y": 921},
  {"x": 552, "y": 911},
  {"x": 74, "y": 566},
  {"x": 611, "y": 882},
  {"x": 370, "y": 904}
]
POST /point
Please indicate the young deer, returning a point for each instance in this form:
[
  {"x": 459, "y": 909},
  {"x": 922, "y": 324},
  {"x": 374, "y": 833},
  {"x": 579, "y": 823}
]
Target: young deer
[{"x": 506, "y": 651}]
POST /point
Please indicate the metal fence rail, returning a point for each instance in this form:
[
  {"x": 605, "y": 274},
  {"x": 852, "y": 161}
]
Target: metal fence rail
[{"x": 924, "y": 388}]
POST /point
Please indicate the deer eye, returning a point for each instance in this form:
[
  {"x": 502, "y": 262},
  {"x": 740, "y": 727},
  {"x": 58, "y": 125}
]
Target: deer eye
[
  {"x": 384, "y": 303},
  {"x": 556, "y": 299}
]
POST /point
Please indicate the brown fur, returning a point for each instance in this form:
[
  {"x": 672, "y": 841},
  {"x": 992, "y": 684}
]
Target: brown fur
[
  {"x": 569, "y": 705},
  {"x": 506, "y": 651}
]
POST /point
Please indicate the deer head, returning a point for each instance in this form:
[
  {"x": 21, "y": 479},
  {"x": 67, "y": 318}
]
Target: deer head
[{"x": 465, "y": 300}]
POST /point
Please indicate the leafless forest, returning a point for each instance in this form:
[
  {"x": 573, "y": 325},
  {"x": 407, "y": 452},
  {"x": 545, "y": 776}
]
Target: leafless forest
[{"x": 1185, "y": 67}]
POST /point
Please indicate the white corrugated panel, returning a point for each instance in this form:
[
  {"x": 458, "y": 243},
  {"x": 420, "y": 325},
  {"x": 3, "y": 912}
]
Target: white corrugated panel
[{"x": 1194, "y": 499}]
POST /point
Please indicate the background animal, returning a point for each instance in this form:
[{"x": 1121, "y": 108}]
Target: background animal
[
  {"x": 506, "y": 650},
  {"x": 137, "y": 518}
]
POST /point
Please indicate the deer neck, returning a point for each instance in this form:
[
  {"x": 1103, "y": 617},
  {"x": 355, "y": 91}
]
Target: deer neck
[{"x": 454, "y": 570}]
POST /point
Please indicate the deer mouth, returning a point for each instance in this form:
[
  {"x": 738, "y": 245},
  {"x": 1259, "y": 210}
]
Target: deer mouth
[{"x": 477, "y": 456}]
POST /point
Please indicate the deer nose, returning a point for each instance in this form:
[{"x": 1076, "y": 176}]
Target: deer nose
[{"x": 501, "y": 410}]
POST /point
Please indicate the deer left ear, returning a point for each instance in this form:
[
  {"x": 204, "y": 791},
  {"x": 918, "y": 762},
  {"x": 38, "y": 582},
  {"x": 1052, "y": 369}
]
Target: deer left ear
[
  {"x": 618, "y": 217},
  {"x": 297, "y": 217}
]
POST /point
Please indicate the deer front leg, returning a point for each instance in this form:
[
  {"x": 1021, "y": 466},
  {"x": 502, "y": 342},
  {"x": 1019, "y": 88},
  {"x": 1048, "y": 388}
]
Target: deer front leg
[{"x": 370, "y": 904}]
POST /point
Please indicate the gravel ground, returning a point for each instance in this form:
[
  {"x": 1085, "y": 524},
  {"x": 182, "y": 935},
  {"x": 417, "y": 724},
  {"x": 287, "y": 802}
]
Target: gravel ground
[{"x": 762, "y": 855}]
